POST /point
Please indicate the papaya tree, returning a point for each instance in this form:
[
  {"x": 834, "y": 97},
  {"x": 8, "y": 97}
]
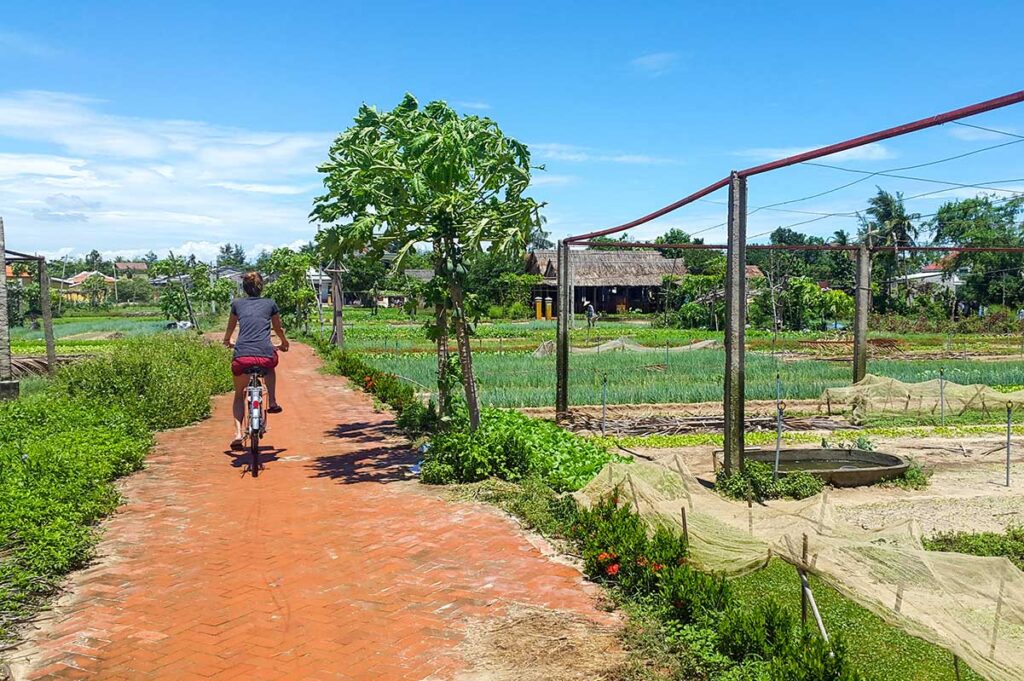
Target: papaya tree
[{"x": 428, "y": 176}]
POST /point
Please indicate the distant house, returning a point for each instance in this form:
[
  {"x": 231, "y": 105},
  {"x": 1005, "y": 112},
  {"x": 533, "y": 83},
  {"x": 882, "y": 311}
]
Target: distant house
[
  {"x": 71, "y": 288},
  {"x": 130, "y": 268},
  {"x": 614, "y": 281},
  {"x": 21, "y": 278}
]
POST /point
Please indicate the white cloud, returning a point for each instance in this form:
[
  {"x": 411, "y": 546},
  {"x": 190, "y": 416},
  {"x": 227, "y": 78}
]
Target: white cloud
[
  {"x": 257, "y": 188},
  {"x": 568, "y": 152},
  {"x": 21, "y": 43},
  {"x": 476, "y": 106},
  {"x": 143, "y": 184},
  {"x": 552, "y": 180},
  {"x": 868, "y": 152},
  {"x": 967, "y": 134},
  {"x": 656, "y": 63}
]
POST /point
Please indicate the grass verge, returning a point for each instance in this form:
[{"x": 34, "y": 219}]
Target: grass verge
[{"x": 62, "y": 447}]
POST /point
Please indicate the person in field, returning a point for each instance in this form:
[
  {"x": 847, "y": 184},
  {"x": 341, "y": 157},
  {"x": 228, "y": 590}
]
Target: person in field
[
  {"x": 590, "y": 312},
  {"x": 254, "y": 316}
]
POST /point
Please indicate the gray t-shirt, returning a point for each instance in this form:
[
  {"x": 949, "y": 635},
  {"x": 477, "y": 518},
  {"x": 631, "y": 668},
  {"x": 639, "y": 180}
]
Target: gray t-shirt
[{"x": 254, "y": 326}]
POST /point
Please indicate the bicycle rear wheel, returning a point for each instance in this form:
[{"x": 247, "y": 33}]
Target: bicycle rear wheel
[{"x": 254, "y": 453}]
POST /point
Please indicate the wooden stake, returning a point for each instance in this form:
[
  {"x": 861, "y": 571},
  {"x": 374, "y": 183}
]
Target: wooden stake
[
  {"x": 803, "y": 596},
  {"x": 632, "y": 490},
  {"x": 686, "y": 531}
]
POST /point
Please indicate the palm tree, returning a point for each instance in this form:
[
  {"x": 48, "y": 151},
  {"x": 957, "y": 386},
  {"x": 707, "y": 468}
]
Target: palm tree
[{"x": 889, "y": 226}]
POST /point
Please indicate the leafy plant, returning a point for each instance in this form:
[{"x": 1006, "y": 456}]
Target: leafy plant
[
  {"x": 814, "y": 659},
  {"x": 915, "y": 477},
  {"x": 511, "y": 446},
  {"x": 1009, "y": 543},
  {"x": 691, "y": 595},
  {"x": 756, "y": 481},
  {"x": 765, "y": 631}
]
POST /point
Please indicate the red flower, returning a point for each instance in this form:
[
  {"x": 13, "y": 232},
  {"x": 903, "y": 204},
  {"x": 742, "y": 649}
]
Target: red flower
[
  {"x": 602, "y": 557},
  {"x": 657, "y": 567},
  {"x": 613, "y": 570}
]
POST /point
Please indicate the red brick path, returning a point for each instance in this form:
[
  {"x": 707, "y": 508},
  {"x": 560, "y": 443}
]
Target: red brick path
[{"x": 327, "y": 566}]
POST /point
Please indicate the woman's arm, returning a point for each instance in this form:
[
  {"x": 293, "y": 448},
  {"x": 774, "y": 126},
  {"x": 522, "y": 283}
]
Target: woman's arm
[
  {"x": 232, "y": 322},
  {"x": 275, "y": 321}
]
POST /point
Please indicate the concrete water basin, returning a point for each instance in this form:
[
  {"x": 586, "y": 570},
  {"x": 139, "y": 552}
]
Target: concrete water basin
[{"x": 837, "y": 467}]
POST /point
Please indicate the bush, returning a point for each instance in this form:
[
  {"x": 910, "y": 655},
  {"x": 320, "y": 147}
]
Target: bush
[
  {"x": 691, "y": 595},
  {"x": 764, "y": 632},
  {"x": 495, "y": 312},
  {"x": 519, "y": 310},
  {"x": 757, "y": 481},
  {"x": 915, "y": 477},
  {"x": 813, "y": 659},
  {"x": 617, "y": 550},
  {"x": 511, "y": 446}
]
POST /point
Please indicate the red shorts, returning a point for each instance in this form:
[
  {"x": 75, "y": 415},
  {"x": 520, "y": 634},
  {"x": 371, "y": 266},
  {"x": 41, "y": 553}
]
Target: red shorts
[{"x": 240, "y": 364}]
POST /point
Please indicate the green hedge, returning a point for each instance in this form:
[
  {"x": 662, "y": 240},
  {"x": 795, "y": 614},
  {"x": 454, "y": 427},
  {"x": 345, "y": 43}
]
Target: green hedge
[{"x": 62, "y": 448}]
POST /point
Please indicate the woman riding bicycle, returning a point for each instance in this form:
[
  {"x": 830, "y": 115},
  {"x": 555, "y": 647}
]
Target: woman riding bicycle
[{"x": 254, "y": 316}]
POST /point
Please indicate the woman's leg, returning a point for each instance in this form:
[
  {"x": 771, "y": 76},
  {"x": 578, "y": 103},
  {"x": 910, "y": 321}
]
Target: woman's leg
[
  {"x": 238, "y": 407},
  {"x": 271, "y": 379}
]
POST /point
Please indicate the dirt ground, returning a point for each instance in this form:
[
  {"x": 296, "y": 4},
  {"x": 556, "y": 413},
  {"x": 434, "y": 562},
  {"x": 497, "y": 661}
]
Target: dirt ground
[
  {"x": 967, "y": 490},
  {"x": 537, "y": 644}
]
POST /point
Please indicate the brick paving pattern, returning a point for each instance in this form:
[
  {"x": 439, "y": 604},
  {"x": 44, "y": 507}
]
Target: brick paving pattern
[{"x": 330, "y": 565}]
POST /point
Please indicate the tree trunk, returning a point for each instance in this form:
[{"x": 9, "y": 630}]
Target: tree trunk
[
  {"x": 338, "y": 307},
  {"x": 465, "y": 357},
  {"x": 5, "y": 330},
  {"x": 441, "y": 320}
]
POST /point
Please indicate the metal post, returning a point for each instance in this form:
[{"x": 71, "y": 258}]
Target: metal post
[
  {"x": 8, "y": 386},
  {"x": 735, "y": 332},
  {"x": 44, "y": 307},
  {"x": 863, "y": 307},
  {"x": 604, "y": 402},
  {"x": 338, "y": 307},
  {"x": 942, "y": 397},
  {"x": 562, "y": 341},
  {"x": 779, "y": 412},
  {"x": 1009, "y": 432},
  {"x": 803, "y": 594}
]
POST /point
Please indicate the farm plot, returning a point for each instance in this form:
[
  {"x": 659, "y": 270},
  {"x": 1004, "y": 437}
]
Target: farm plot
[{"x": 520, "y": 380}]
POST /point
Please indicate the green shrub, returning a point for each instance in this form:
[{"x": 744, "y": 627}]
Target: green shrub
[
  {"x": 519, "y": 310},
  {"x": 757, "y": 482},
  {"x": 762, "y": 632},
  {"x": 813, "y": 659},
  {"x": 1009, "y": 544},
  {"x": 800, "y": 485},
  {"x": 511, "y": 446},
  {"x": 691, "y": 595},
  {"x": 495, "y": 312},
  {"x": 617, "y": 548},
  {"x": 915, "y": 477}
]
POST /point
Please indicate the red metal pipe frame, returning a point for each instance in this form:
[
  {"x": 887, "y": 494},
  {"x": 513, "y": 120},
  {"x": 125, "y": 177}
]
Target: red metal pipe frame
[
  {"x": 932, "y": 121},
  {"x": 630, "y": 245}
]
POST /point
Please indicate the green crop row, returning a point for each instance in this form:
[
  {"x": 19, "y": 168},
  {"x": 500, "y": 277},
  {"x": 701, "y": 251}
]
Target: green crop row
[{"x": 521, "y": 380}]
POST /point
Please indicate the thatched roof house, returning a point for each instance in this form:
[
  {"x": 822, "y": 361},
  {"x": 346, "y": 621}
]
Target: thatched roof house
[
  {"x": 615, "y": 281},
  {"x": 607, "y": 268}
]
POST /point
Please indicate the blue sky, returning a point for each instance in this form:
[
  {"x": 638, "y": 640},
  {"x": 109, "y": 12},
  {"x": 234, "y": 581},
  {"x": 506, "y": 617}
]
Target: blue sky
[{"x": 136, "y": 126}]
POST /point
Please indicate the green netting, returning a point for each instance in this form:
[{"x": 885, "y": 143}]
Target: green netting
[{"x": 971, "y": 606}]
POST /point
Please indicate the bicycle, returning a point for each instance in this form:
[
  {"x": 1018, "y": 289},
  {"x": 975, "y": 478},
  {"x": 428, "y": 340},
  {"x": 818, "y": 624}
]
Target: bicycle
[{"x": 255, "y": 425}]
